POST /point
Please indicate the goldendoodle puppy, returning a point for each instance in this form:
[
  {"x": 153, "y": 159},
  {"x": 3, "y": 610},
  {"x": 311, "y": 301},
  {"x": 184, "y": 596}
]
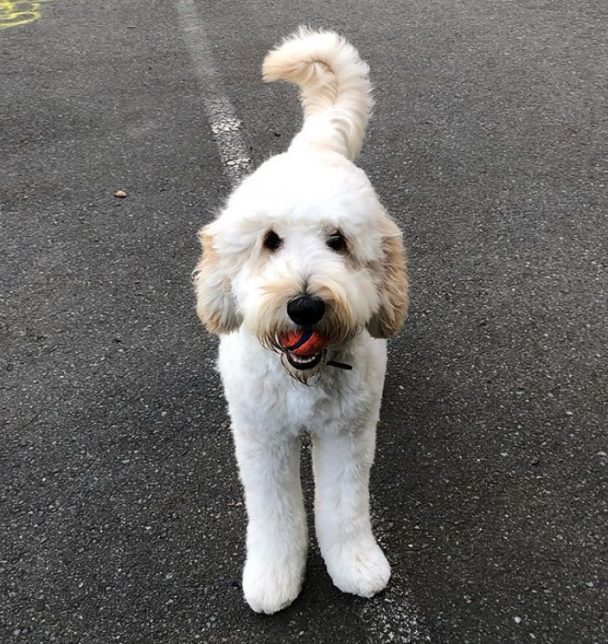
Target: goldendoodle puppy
[{"x": 303, "y": 276}]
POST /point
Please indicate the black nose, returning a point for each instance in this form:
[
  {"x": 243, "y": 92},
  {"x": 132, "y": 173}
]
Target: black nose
[{"x": 306, "y": 310}]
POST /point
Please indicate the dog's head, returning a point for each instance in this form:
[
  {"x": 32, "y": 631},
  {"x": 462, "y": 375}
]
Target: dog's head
[{"x": 303, "y": 242}]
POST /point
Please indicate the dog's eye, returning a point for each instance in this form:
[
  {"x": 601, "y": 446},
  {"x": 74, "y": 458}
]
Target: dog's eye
[
  {"x": 272, "y": 241},
  {"x": 337, "y": 242}
]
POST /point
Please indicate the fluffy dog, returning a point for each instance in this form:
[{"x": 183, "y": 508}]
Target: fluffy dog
[{"x": 303, "y": 249}]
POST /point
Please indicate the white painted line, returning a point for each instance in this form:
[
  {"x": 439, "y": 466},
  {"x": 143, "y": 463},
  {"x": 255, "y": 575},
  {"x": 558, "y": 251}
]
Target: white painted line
[{"x": 225, "y": 126}]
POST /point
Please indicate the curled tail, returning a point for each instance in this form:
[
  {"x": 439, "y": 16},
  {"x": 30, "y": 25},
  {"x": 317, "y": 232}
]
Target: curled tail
[{"x": 334, "y": 86}]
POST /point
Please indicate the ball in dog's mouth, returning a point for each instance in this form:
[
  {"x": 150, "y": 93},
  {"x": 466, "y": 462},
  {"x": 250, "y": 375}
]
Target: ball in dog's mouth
[{"x": 303, "y": 348}]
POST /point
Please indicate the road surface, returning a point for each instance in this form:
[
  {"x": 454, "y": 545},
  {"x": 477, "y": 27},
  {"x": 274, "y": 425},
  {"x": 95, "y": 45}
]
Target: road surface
[{"x": 122, "y": 518}]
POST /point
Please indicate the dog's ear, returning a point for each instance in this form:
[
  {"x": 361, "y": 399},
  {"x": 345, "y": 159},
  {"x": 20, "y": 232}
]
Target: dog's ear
[
  {"x": 391, "y": 273},
  {"x": 215, "y": 302}
]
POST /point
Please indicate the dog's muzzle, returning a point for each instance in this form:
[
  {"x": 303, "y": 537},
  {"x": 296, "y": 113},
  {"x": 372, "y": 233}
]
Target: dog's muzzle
[
  {"x": 298, "y": 349},
  {"x": 304, "y": 363}
]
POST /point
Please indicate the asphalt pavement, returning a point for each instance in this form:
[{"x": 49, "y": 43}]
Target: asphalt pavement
[{"x": 121, "y": 511}]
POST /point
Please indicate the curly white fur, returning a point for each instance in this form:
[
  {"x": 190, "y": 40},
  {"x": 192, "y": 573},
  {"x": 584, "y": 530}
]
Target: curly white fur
[
  {"x": 305, "y": 196},
  {"x": 335, "y": 90}
]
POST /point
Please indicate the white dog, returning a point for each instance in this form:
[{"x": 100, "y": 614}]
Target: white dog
[{"x": 304, "y": 249}]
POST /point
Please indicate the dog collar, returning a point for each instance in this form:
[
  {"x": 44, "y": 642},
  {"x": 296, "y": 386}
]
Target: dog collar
[{"x": 339, "y": 365}]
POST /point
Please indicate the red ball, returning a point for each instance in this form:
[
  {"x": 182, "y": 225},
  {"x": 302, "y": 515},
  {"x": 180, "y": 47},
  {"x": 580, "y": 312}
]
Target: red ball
[{"x": 313, "y": 345}]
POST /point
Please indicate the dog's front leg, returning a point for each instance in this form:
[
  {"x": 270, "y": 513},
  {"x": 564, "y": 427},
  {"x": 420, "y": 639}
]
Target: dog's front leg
[
  {"x": 277, "y": 537},
  {"x": 342, "y": 460}
]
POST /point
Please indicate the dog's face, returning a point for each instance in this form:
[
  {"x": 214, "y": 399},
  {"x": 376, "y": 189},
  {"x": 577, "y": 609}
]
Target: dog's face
[{"x": 303, "y": 242}]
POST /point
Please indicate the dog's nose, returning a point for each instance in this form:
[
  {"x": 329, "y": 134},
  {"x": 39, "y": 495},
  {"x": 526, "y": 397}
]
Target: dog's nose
[{"x": 306, "y": 310}]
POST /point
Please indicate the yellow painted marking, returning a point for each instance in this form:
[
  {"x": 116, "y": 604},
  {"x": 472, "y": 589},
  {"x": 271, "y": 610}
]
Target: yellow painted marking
[{"x": 18, "y": 12}]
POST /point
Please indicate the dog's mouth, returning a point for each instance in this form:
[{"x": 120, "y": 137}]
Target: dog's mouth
[
  {"x": 305, "y": 352},
  {"x": 303, "y": 363},
  {"x": 303, "y": 348}
]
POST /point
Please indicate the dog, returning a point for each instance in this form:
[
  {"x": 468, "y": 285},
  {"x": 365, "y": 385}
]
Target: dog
[{"x": 303, "y": 277}]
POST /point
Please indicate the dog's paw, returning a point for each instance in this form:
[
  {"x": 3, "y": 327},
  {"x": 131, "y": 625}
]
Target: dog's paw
[
  {"x": 271, "y": 587},
  {"x": 358, "y": 567}
]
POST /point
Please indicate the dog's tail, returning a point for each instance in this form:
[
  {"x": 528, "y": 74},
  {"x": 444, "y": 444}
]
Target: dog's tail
[{"x": 334, "y": 88}]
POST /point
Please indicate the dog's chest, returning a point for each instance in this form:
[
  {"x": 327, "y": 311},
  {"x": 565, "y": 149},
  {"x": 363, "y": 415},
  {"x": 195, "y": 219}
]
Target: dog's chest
[
  {"x": 263, "y": 396},
  {"x": 259, "y": 392},
  {"x": 273, "y": 398},
  {"x": 315, "y": 403}
]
